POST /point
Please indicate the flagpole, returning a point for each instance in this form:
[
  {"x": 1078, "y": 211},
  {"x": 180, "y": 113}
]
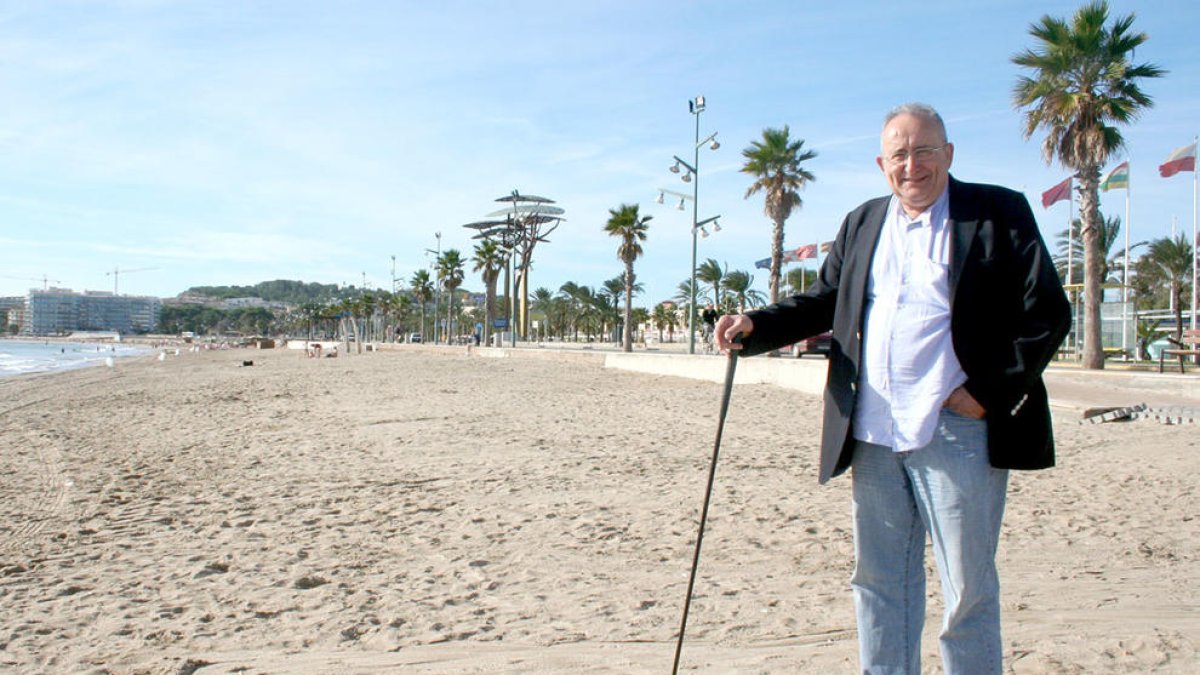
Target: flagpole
[
  {"x": 1125, "y": 281},
  {"x": 1071, "y": 269},
  {"x": 1195, "y": 178}
]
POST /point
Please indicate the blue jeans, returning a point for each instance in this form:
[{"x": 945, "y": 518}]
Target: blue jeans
[{"x": 949, "y": 490}]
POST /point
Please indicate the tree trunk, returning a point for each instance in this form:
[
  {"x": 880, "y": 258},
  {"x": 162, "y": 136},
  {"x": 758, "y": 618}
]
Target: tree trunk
[
  {"x": 1093, "y": 264},
  {"x": 776, "y": 259},
  {"x": 491, "y": 307},
  {"x": 628, "y": 338}
]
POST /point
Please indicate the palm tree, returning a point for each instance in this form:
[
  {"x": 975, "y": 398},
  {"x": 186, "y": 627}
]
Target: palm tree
[
  {"x": 1168, "y": 264},
  {"x": 403, "y": 309},
  {"x": 613, "y": 290},
  {"x": 576, "y": 300},
  {"x": 641, "y": 316},
  {"x": 712, "y": 273},
  {"x": 663, "y": 316},
  {"x": 450, "y": 270},
  {"x": 625, "y": 223},
  {"x": 422, "y": 291},
  {"x": 739, "y": 283},
  {"x": 775, "y": 163},
  {"x": 1111, "y": 261},
  {"x": 683, "y": 294},
  {"x": 553, "y": 311},
  {"x": 798, "y": 279},
  {"x": 385, "y": 309},
  {"x": 489, "y": 259},
  {"x": 309, "y": 312},
  {"x": 1081, "y": 81}
]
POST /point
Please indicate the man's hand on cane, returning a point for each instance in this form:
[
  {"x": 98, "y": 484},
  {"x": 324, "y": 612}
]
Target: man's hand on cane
[{"x": 729, "y": 327}]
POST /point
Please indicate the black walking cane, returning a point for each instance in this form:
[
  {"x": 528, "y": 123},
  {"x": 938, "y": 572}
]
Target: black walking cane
[{"x": 712, "y": 472}]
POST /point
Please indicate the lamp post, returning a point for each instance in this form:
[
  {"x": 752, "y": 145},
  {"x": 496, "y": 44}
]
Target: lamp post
[
  {"x": 692, "y": 175},
  {"x": 437, "y": 293}
]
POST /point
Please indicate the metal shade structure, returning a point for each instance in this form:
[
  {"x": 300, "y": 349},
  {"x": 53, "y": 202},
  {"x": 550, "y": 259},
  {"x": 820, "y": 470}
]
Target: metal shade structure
[
  {"x": 539, "y": 209},
  {"x": 533, "y": 219},
  {"x": 528, "y": 220},
  {"x": 516, "y": 196}
]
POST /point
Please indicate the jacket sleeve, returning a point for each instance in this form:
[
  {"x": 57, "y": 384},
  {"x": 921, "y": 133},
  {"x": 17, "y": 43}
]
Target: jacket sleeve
[{"x": 802, "y": 315}]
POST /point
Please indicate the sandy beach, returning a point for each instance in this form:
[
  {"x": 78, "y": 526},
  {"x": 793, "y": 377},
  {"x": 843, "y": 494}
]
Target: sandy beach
[{"x": 426, "y": 510}]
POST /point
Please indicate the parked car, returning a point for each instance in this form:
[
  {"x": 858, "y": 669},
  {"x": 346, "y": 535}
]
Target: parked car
[
  {"x": 817, "y": 344},
  {"x": 414, "y": 338}
]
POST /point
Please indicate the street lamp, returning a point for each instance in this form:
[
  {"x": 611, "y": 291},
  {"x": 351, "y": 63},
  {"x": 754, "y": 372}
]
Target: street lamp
[
  {"x": 437, "y": 294},
  {"x": 691, "y": 174}
]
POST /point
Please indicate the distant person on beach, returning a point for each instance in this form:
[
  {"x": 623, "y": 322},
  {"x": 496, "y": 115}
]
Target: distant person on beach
[
  {"x": 945, "y": 308},
  {"x": 708, "y": 318}
]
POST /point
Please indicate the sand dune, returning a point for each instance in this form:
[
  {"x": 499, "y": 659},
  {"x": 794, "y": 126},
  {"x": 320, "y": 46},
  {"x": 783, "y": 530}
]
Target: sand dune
[{"x": 427, "y": 510}]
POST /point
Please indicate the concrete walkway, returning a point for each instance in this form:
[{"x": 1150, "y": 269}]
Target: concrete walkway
[{"x": 1070, "y": 388}]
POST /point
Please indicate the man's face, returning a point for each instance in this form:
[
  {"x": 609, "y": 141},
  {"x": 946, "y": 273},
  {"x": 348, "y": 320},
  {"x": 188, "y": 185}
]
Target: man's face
[{"x": 915, "y": 160}]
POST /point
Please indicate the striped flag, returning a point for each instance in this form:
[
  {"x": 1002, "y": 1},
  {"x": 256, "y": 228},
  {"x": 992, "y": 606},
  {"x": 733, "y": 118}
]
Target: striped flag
[
  {"x": 801, "y": 253},
  {"x": 1057, "y": 193},
  {"x": 1183, "y": 159},
  {"x": 827, "y": 247},
  {"x": 1117, "y": 178},
  {"x": 764, "y": 264}
]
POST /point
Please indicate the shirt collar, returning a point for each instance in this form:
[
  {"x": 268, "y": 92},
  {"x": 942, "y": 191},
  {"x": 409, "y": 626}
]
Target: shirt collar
[{"x": 935, "y": 214}]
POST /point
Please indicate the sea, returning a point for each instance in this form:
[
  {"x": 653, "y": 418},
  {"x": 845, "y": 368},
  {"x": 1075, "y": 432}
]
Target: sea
[{"x": 20, "y": 357}]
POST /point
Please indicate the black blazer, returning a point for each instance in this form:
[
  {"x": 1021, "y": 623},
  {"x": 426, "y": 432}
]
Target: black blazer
[{"x": 1009, "y": 315}]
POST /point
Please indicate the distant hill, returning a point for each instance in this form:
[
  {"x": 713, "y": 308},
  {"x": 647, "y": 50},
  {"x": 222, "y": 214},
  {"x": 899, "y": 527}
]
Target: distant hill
[
  {"x": 280, "y": 290},
  {"x": 291, "y": 292}
]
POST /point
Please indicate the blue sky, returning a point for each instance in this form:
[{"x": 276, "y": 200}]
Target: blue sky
[{"x": 222, "y": 142}]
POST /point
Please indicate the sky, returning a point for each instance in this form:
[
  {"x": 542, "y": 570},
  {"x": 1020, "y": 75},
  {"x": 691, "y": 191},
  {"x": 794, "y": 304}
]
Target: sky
[{"x": 150, "y": 146}]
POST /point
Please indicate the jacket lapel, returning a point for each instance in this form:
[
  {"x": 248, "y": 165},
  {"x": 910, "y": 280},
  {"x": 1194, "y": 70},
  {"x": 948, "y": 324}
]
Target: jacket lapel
[
  {"x": 964, "y": 221},
  {"x": 866, "y": 240}
]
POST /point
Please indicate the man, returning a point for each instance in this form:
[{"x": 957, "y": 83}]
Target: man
[
  {"x": 945, "y": 308},
  {"x": 708, "y": 317}
]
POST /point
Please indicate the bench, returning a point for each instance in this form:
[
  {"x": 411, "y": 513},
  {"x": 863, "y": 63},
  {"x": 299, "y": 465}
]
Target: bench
[{"x": 1188, "y": 345}]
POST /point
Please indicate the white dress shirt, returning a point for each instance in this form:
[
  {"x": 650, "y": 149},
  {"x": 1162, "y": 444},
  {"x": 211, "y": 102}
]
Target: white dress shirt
[{"x": 909, "y": 364}]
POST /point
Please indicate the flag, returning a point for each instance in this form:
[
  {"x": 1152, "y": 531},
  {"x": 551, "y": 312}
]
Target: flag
[
  {"x": 1183, "y": 159},
  {"x": 827, "y": 247},
  {"x": 764, "y": 264},
  {"x": 1117, "y": 178},
  {"x": 1057, "y": 193},
  {"x": 801, "y": 253}
]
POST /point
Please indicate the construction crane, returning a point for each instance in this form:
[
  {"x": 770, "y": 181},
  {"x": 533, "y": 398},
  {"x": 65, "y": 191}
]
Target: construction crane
[
  {"x": 44, "y": 279},
  {"x": 117, "y": 272}
]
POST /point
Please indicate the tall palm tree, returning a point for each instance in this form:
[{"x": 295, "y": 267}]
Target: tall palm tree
[
  {"x": 422, "y": 292},
  {"x": 775, "y": 164},
  {"x": 625, "y": 223},
  {"x": 490, "y": 259},
  {"x": 1168, "y": 263},
  {"x": 1081, "y": 81},
  {"x": 450, "y": 266},
  {"x": 740, "y": 285}
]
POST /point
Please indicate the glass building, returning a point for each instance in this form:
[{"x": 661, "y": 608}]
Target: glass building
[{"x": 56, "y": 311}]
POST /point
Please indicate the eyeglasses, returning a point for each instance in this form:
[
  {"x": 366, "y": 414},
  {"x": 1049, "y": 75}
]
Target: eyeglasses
[{"x": 921, "y": 154}]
